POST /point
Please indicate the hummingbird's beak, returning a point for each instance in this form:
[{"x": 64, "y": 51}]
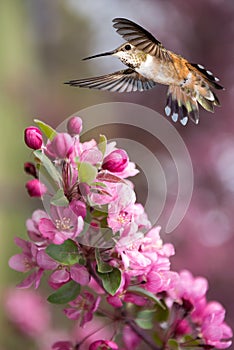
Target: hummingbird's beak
[{"x": 109, "y": 53}]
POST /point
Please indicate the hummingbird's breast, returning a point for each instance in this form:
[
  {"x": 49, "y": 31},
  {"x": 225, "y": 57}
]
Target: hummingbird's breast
[{"x": 158, "y": 70}]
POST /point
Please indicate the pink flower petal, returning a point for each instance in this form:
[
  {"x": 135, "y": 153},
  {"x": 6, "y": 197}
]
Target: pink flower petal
[
  {"x": 20, "y": 262},
  {"x": 80, "y": 274}
]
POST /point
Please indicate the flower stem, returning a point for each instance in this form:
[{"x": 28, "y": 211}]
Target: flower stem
[{"x": 147, "y": 340}]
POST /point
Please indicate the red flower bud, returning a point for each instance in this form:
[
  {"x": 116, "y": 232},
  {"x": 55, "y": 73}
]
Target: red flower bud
[
  {"x": 33, "y": 137},
  {"x": 30, "y": 169},
  {"x": 74, "y": 125},
  {"x": 116, "y": 161},
  {"x": 35, "y": 188},
  {"x": 61, "y": 145}
]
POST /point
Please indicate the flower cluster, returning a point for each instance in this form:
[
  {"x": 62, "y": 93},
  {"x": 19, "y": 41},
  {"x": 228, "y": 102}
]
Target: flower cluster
[{"x": 101, "y": 254}]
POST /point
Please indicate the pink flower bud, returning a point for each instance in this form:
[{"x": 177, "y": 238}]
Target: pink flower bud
[
  {"x": 61, "y": 145},
  {"x": 79, "y": 208},
  {"x": 30, "y": 169},
  {"x": 35, "y": 188},
  {"x": 116, "y": 161},
  {"x": 33, "y": 137},
  {"x": 74, "y": 125}
]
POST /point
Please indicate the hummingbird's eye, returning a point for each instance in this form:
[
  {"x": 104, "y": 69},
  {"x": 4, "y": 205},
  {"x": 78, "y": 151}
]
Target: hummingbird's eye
[{"x": 127, "y": 47}]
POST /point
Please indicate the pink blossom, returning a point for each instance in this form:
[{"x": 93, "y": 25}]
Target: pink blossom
[
  {"x": 92, "y": 156},
  {"x": 59, "y": 277},
  {"x": 65, "y": 274},
  {"x": 32, "y": 226},
  {"x": 137, "y": 251},
  {"x": 35, "y": 188},
  {"x": 83, "y": 147},
  {"x": 28, "y": 311},
  {"x": 65, "y": 225},
  {"x": 27, "y": 261},
  {"x": 82, "y": 308},
  {"x": 208, "y": 316},
  {"x": 214, "y": 330},
  {"x": 145, "y": 254},
  {"x": 190, "y": 288},
  {"x": 120, "y": 209},
  {"x": 31, "y": 258},
  {"x": 33, "y": 137},
  {"x": 140, "y": 217},
  {"x": 157, "y": 281}
]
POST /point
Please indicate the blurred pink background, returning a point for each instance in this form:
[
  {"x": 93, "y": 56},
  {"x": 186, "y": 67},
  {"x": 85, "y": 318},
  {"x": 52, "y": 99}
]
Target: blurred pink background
[{"x": 42, "y": 44}]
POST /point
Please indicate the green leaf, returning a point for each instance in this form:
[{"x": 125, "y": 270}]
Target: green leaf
[
  {"x": 173, "y": 344},
  {"x": 102, "y": 211},
  {"x": 66, "y": 293},
  {"x": 65, "y": 253},
  {"x": 87, "y": 172},
  {"x": 111, "y": 281},
  {"x": 162, "y": 314},
  {"x": 59, "y": 199},
  {"x": 48, "y": 165},
  {"x": 47, "y": 130},
  {"x": 145, "y": 319},
  {"x": 102, "y": 266},
  {"x": 102, "y": 144},
  {"x": 146, "y": 294}
]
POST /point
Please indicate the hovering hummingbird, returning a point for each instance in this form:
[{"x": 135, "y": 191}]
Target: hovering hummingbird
[{"x": 150, "y": 63}]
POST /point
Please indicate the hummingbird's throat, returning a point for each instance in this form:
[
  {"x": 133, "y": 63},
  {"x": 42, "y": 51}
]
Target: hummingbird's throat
[{"x": 132, "y": 60}]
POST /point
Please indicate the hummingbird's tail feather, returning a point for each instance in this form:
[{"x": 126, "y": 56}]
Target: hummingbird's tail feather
[
  {"x": 181, "y": 106},
  {"x": 182, "y": 102}
]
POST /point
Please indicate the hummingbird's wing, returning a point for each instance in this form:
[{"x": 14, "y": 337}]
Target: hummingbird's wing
[
  {"x": 122, "y": 81},
  {"x": 140, "y": 38}
]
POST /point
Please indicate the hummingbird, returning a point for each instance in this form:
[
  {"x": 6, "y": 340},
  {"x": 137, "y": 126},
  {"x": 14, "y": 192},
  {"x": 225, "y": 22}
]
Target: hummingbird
[{"x": 149, "y": 63}]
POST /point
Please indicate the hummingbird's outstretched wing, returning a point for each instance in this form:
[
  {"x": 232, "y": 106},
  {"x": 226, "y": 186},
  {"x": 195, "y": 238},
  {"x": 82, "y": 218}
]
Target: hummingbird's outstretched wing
[
  {"x": 140, "y": 38},
  {"x": 122, "y": 81}
]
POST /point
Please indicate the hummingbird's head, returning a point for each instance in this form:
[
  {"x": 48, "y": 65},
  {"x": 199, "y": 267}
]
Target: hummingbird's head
[
  {"x": 130, "y": 55},
  {"x": 127, "y": 53}
]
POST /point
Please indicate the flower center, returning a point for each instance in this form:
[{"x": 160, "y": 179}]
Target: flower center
[
  {"x": 64, "y": 224},
  {"x": 123, "y": 217}
]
